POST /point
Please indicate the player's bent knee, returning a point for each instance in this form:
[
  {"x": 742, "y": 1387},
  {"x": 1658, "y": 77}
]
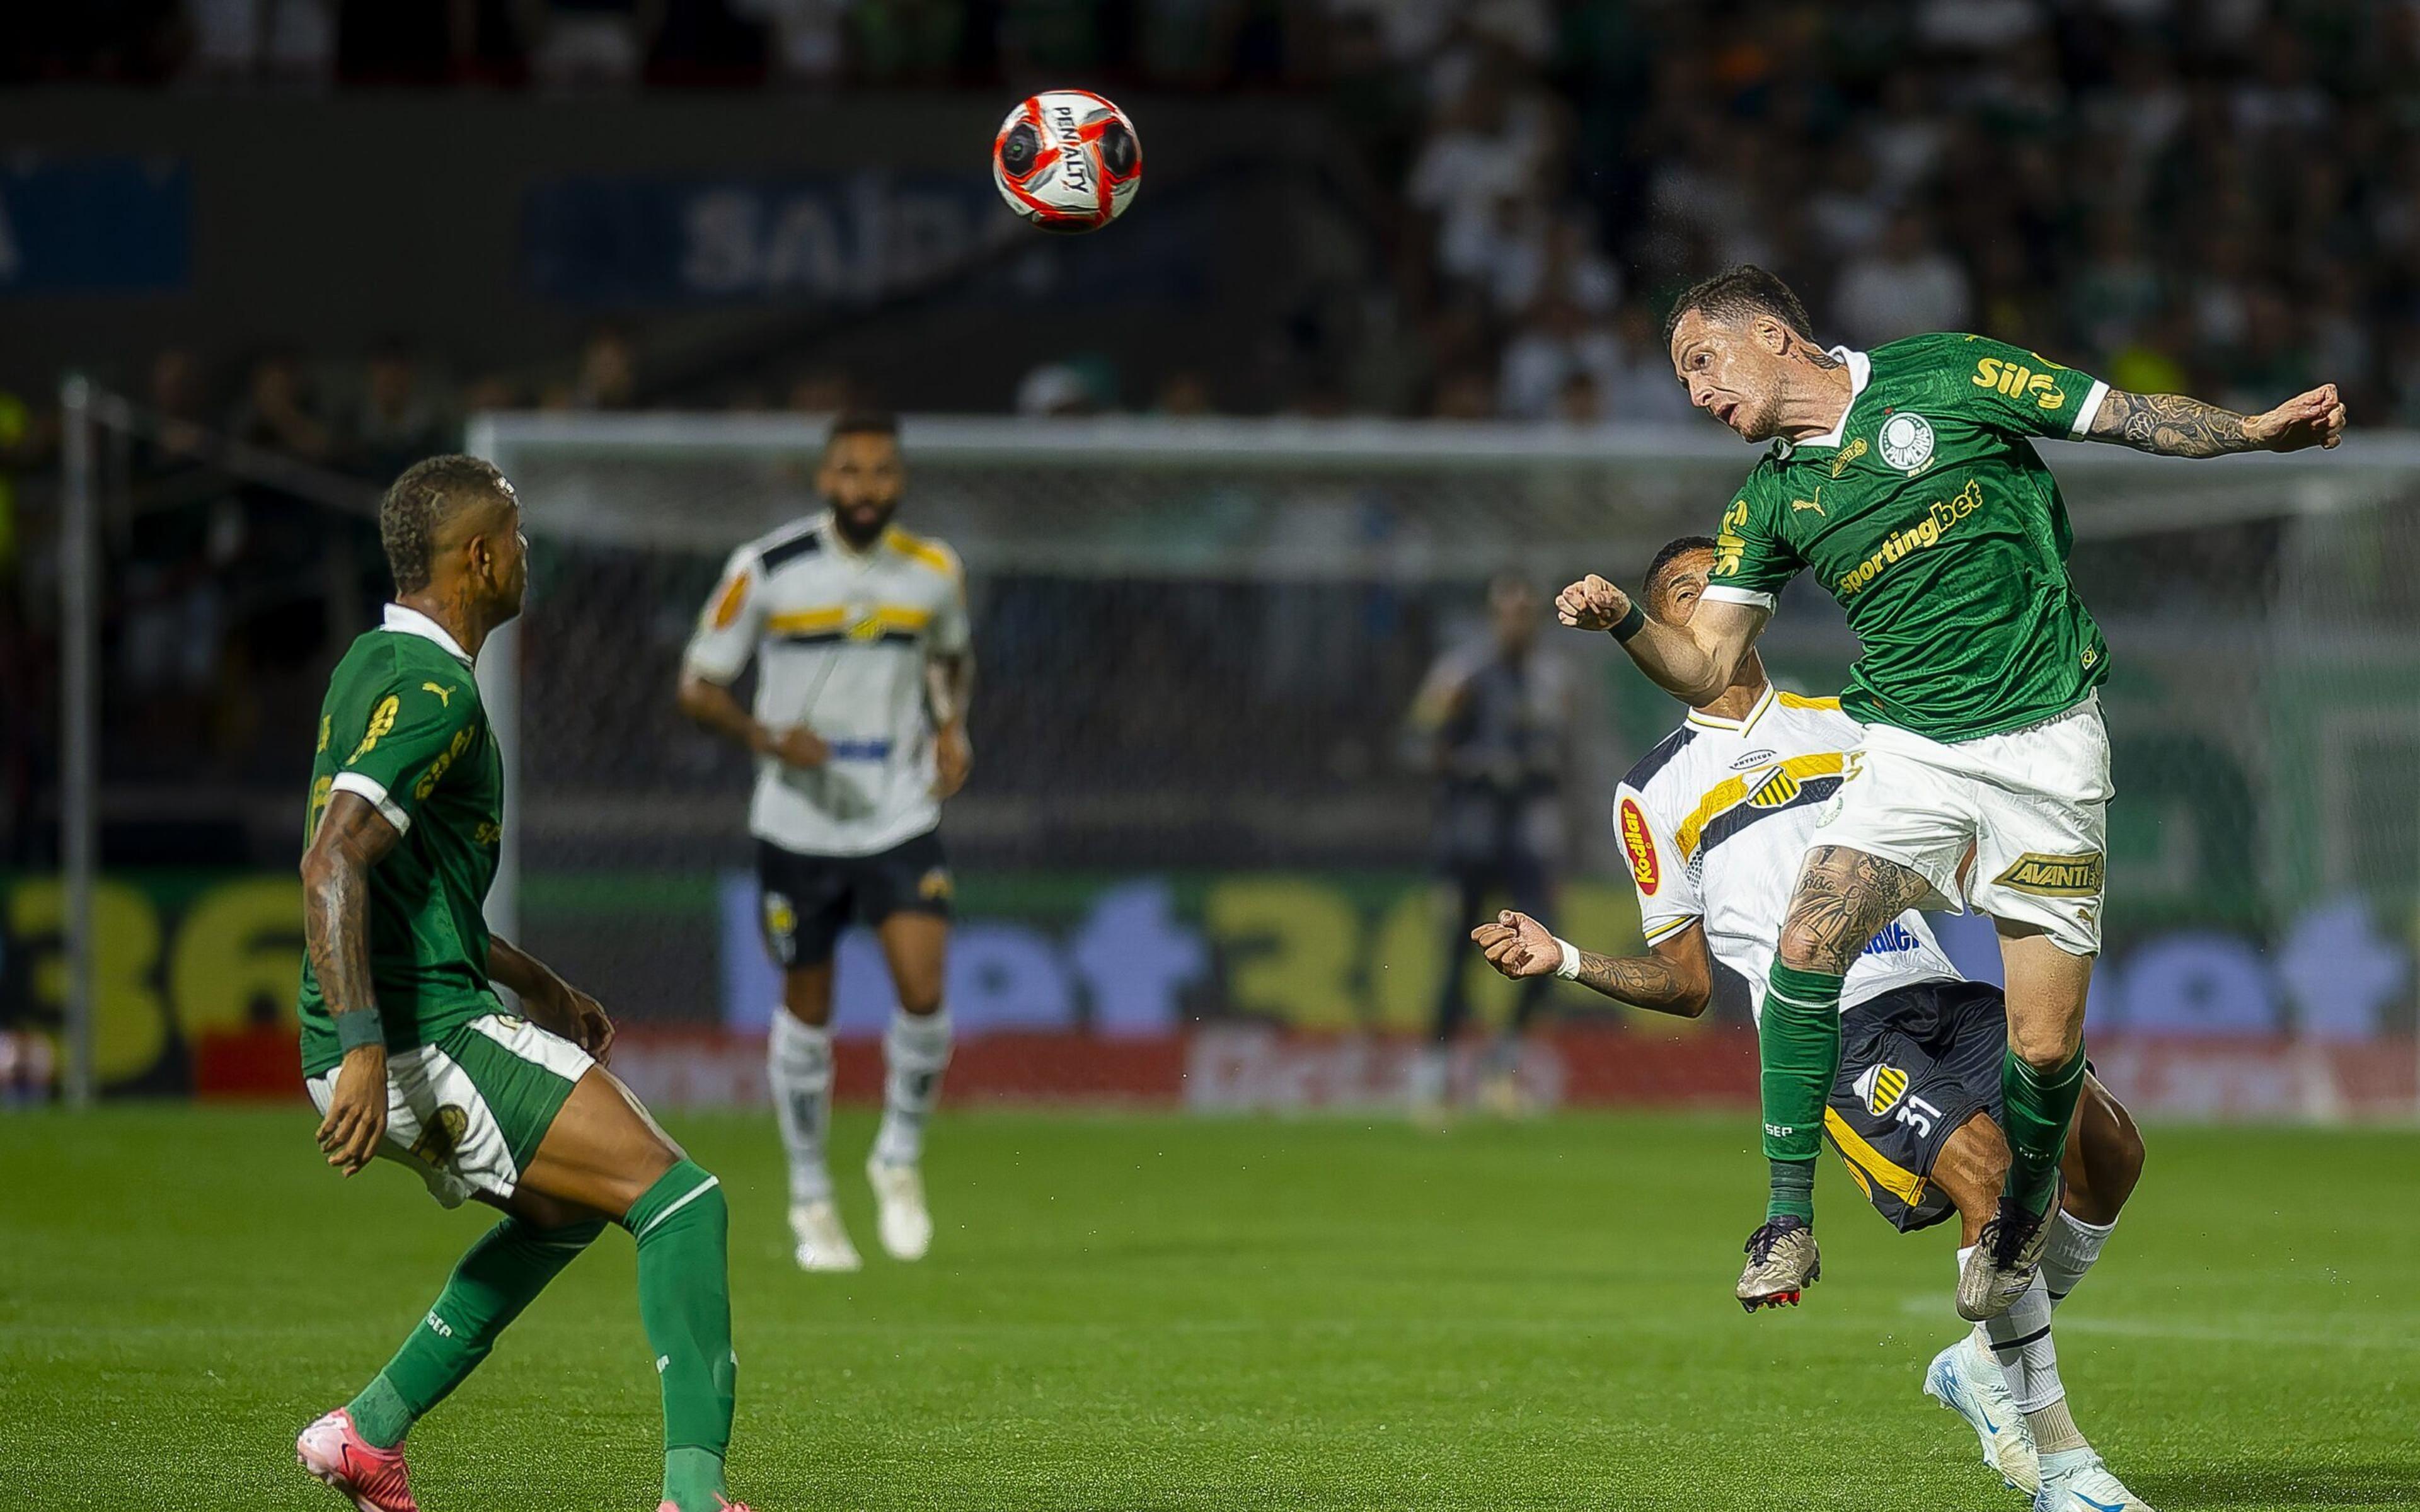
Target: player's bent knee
[{"x": 2044, "y": 1046}]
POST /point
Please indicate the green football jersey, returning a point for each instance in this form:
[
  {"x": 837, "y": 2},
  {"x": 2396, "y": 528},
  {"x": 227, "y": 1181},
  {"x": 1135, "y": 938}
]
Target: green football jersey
[
  {"x": 402, "y": 726},
  {"x": 1926, "y": 513}
]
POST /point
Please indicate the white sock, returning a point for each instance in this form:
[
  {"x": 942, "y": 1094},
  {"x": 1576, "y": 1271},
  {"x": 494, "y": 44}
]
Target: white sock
[
  {"x": 798, "y": 1063},
  {"x": 2073, "y": 1245},
  {"x": 2021, "y": 1341},
  {"x": 915, "y": 1052}
]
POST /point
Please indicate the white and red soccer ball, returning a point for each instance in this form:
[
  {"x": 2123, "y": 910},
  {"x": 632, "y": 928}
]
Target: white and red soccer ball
[{"x": 1067, "y": 160}]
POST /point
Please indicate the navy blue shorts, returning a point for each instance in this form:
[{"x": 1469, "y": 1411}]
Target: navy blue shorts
[
  {"x": 1916, "y": 1064},
  {"x": 807, "y": 901}
]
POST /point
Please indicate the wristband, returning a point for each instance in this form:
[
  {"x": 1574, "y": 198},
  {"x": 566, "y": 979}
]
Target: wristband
[
  {"x": 1630, "y": 623},
  {"x": 1570, "y": 969},
  {"x": 358, "y": 1028}
]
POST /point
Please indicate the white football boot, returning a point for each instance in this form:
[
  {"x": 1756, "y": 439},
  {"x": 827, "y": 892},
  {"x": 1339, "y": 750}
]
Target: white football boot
[
  {"x": 823, "y": 1244},
  {"x": 1966, "y": 1380},
  {"x": 2075, "y": 1480},
  {"x": 904, "y": 1227}
]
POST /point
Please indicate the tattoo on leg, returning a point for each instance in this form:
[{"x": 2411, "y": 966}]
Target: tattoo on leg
[{"x": 1843, "y": 898}]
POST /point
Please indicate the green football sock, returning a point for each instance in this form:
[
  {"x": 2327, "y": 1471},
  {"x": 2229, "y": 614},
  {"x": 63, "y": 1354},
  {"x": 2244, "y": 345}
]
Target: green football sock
[
  {"x": 2037, "y": 1107},
  {"x": 494, "y": 1280},
  {"x": 681, "y": 1226},
  {"x": 1798, "y": 1050}
]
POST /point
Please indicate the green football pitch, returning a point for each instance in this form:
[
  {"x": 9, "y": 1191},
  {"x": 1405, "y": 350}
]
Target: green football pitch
[{"x": 1127, "y": 1314}]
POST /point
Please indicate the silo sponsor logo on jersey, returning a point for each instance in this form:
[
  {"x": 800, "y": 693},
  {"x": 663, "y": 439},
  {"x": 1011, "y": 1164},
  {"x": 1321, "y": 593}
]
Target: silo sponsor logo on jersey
[
  {"x": 2019, "y": 381},
  {"x": 1640, "y": 844}
]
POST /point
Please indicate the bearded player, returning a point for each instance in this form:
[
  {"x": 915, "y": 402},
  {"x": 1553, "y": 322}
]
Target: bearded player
[
  {"x": 1714, "y": 820},
  {"x": 864, "y": 667},
  {"x": 411, "y": 1055},
  {"x": 1905, "y": 479}
]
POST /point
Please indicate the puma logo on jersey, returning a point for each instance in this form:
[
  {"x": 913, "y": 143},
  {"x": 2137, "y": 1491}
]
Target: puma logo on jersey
[
  {"x": 1815, "y": 503},
  {"x": 444, "y": 694}
]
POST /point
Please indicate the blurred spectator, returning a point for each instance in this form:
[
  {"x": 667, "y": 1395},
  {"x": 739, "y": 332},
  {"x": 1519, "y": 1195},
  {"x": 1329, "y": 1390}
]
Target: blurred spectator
[
  {"x": 809, "y": 42},
  {"x": 608, "y": 378},
  {"x": 1061, "y": 389},
  {"x": 1464, "y": 395},
  {"x": 238, "y": 41},
  {"x": 822, "y": 392},
  {"x": 278, "y": 413},
  {"x": 399, "y": 421},
  {"x": 1634, "y": 371},
  {"x": 1183, "y": 395},
  {"x": 1907, "y": 285},
  {"x": 1579, "y": 403},
  {"x": 588, "y": 44}
]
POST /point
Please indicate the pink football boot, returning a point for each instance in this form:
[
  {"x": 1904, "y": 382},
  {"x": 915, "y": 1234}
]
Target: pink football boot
[
  {"x": 726, "y": 1505},
  {"x": 374, "y": 1480}
]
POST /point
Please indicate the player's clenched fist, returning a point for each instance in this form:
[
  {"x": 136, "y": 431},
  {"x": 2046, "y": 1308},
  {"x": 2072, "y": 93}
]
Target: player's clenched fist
[
  {"x": 2312, "y": 419},
  {"x": 1519, "y": 946},
  {"x": 1591, "y": 604}
]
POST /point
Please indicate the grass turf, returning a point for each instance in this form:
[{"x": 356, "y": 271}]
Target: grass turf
[{"x": 1134, "y": 1314}]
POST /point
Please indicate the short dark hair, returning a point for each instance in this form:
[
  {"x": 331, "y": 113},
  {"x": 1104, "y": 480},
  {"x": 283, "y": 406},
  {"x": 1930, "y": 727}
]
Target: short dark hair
[
  {"x": 861, "y": 423},
  {"x": 418, "y": 504},
  {"x": 1673, "y": 552},
  {"x": 1738, "y": 292}
]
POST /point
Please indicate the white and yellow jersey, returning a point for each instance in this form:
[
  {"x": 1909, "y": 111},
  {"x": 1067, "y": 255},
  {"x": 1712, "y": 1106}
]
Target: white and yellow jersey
[
  {"x": 1716, "y": 821},
  {"x": 842, "y": 638}
]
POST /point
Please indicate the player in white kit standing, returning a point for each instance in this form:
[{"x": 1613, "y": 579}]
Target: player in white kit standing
[{"x": 866, "y": 665}]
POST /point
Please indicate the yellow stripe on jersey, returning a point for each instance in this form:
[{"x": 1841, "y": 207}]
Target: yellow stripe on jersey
[
  {"x": 882, "y": 619},
  {"x": 1774, "y": 785},
  {"x": 1795, "y": 700},
  {"x": 1668, "y": 928},
  {"x": 1867, "y": 1162},
  {"x": 806, "y": 621},
  {"x": 931, "y": 553}
]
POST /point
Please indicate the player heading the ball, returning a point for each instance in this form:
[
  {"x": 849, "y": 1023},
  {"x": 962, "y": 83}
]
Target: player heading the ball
[{"x": 1906, "y": 481}]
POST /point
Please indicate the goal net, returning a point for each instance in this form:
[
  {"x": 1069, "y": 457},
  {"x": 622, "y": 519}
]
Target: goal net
[{"x": 1198, "y": 640}]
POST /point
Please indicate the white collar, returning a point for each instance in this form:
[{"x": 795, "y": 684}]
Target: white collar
[
  {"x": 1860, "y": 370},
  {"x": 1735, "y": 727},
  {"x": 406, "y": 621}
]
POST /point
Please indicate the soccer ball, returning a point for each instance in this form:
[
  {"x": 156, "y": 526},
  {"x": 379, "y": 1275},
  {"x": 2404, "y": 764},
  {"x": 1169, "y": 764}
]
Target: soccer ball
[{"x": 1067, "y": 160}]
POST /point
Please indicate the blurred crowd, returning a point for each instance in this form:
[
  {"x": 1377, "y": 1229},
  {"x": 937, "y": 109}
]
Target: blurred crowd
[{"x": 2220, "y": 195}]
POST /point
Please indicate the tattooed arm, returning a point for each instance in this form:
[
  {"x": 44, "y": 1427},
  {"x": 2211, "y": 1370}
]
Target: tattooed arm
[
  {"x": 352, "y": 837},
  {"x": 2171, "y": 425},
  {"x": 1677, "y": 978}
]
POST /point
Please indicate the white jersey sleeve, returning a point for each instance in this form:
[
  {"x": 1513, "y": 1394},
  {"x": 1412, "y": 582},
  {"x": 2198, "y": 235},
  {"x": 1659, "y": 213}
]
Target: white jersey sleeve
[
  {"x": 1667, "y": 894},
  {"x": 732, "y": 621}
]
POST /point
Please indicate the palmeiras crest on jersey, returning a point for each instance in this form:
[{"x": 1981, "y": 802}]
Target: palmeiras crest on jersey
[
  {"x": 1906, "y": 441},
  {"x": 1882, "y": 1087}
]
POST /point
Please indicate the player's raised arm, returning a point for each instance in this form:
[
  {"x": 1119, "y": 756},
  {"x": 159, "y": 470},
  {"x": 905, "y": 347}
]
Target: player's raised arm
[
  {"x": 2173, "y": 424},
  {"x": 1693, "y": 662},
  {"x": 351, "y": 838},
  {"x": 1677, "y": 976}
]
